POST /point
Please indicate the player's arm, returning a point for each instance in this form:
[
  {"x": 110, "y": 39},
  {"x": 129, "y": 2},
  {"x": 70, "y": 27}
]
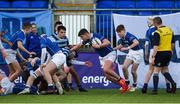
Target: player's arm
[
  {"x": 77, "y": 62},
  {"x": 76, "y": 47},
  {"x": 43, "y": 55},
  {"x": 21, "y": 47},
  {"x": 2, "y": 50},
  {"x": 105, "y": 42},
  {"x": 20, "y": 56},
  {"x": 48, "y": 58},
  {"x": 146, "y": 46},
  {"x": 6, "y": 41},
  {"x": 156, "y": 43},
  {"x": 118, "y": 47}
]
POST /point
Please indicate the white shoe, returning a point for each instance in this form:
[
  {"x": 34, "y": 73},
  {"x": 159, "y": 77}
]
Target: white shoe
[
  {"x": 132, "y": 89},
  {"x": 25, "y": 91}
]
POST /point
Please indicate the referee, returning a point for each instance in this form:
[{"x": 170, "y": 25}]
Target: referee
[{"x": 162, "y": 52}]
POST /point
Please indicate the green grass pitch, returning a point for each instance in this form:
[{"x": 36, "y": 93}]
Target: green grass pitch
[{"x": 96, "y": 96}]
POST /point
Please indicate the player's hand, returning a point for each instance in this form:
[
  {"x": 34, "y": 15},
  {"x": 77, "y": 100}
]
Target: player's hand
[
  {"x": 88, "y": 64},
  {"x": 32, "y": 53},
  {"x": 42, "y": 66},
  {"x": 33, "y": 61},
  {"x": 124, "y": 49},
  {"x": 10, "y": 44},
  {"x": 96, "y": 46}
]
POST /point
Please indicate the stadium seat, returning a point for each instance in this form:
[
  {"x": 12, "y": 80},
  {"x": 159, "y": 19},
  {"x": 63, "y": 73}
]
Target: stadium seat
[
  {"x": 39, "y": 4},
  {"x": 165, "y": 4},
  {"x": 145, "y": 4},
  {"x": 164, "y": 12},
  {"x": 125, "y": 4},
  {"x": 145, "y": 13},
  {"x": 127, "y": 12},
  {"x": 20, "y": 4},
  {"x": 4, "y": 4},
  {"x": 177, "y": 4},
  {"x": 106, "y": 4}
]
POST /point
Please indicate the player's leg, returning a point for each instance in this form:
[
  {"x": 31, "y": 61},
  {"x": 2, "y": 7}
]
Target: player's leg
[
  {"x": 30, "y": 81},
  {"x": 125, "y": 66},
  {"x": 57, "y": 84},
  {"x": 17, "y": 71},
  {"x": 156, "y": 79},
  {"x": 147, "y": 78},
  {"x": 107, "y": 68},
  {"x": 77, "y": 79},
  {"x": 169, "y": 78},
  {"x": 134, "y": 74},
  {"x": 11, "y": 69},
  {"x": 49, "y": 70},
  {"x": 168, "y": 85}
]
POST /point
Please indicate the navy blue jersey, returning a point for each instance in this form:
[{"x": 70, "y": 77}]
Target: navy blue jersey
[
  {"x": 33, "y": 43},
  {"x": 62, "y": 42},
  {"x": 50, "y": 44},
  {"x": 149, "y": 36},
  {"x": 18, "y": 36},
  {"x": 102, "y": 51},
  {"x": 128, "y": 40}
]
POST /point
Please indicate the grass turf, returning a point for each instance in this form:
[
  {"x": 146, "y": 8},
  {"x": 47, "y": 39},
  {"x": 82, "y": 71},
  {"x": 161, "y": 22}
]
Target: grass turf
[{"x": 96, "y": 96}]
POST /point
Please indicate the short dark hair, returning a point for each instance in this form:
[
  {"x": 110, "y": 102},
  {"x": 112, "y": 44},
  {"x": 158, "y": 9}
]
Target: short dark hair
[
  {"x": 58, "y": 23},
  {"x": 26, "y": 25},
  {"x": 157, "y": 20},
  {"x": 82, "y": 32},
  {"x": 120, "y": 28},
  {"x": 61, "y": 28}
]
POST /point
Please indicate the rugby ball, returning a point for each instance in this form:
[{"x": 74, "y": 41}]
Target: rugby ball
[{"x": 96, "y": 41}]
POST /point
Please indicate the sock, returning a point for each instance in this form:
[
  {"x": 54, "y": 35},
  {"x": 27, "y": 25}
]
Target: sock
[
  {"x": 127, "y": 82},
  {"x": 167, "y": 86},
  {"x": 145, "y": 85},
  {"x": 168, "y": 77},
  {"x": 70, "y": 84},
  {"x": 155, "y": 81},
  {"x": 134, "y": 84},
  {"x": 50, "y": 86},
  {"x": 58, "y": 85},
  {"x": 79, "y": 86}
]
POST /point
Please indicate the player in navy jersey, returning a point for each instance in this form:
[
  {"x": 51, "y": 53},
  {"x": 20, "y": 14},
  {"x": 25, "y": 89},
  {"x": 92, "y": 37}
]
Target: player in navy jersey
[
  {"x": 63, "y": 41},
  {"x": 8, "y": 87},
  {"x": 148, "y": 55},
  {"x": 17, "y": 40},
  {"x": 48, "y": 69},
  {"x": 128, "y": 42},
  {"x": 107, "y": 56}
]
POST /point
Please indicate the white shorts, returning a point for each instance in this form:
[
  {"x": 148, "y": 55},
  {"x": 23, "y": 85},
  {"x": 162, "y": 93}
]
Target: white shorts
[
  {"x": 11, "y": 56},
  {"x": 111, "y": 57},
  {"x": 150, "y": 56},
  {"x": 136, "y": 56},
  {"x": 7, "y": 85},
  {"x": 59, "y": 59}
]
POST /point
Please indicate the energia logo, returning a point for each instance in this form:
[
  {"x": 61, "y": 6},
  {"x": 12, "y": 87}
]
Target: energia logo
[{"x": 96, "y": 80}]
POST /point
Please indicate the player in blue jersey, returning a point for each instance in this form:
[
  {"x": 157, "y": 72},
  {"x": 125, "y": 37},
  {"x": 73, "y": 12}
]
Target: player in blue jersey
[
  {"x": 63, "y": 41},
  {"x": 148, "y": 55},
  {"x": 107, "y": 56},
  {"x": 17, "y": 40},
  {"x": 128, "y": 42},
  {"x": 48, "y": 69},
  {"x": 8, "y": 87}
]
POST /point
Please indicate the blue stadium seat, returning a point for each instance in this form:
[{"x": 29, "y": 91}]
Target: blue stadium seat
[
  {"x": 127, "y": 12},
  {"x": 164, "y": 12},
  {"x": 39, "y": 4},
  {"x": 106, "y": 4},
  {"x": 125, "y": 4},
  {"x": 4, "y": 4},
  {"x": 177, "y": 4},
  {"x": 20, "y": 4},
  {"x": 165, "y": 4},
  {"x": 145, "y": 4},
  {"x": 146, "y": 13}
]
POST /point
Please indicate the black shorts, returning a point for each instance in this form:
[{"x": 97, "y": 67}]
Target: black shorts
[{"x": 162, "y": 58}]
